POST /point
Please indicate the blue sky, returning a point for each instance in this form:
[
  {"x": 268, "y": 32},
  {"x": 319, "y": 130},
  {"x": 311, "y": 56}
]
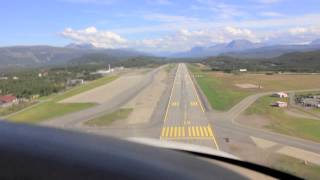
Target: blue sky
[{"x": 157, "y": 25}]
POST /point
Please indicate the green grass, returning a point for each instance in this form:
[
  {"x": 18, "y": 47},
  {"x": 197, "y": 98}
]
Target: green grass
[
  {"x": 51, "y": 108},
  {"x": 219, "y": 96},
  {"x": 47, "y": 110},
  {"x": 84, "y": 87},
  {"x": 284, "y": 123},
  {"x": 169, "y": 67},
  {"x": 316, "y": 110},
  {"x": 297, "y": 167},
  {"x": 109, "y": 118},
  {"x": 222, "y": 91}
]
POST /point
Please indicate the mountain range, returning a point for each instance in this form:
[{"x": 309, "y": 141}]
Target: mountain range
[
  {"x": 31, "y": 56},
  {"x": 247, "y": 49}
]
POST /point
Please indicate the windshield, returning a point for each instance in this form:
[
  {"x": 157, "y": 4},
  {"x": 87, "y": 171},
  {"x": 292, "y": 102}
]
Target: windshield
[{"x": 238, "y": 78}]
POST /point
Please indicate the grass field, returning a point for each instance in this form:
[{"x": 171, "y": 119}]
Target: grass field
[
  {"x": 109, "y": 118},
  {"x": 222, "y": 92},
  {"x": 281, "y": 122},
  {"x": 169, "y": 67},
  {"x": 297, "y": 167},
  {"x": 50, "y": 107},
  {"x": 219, "y": 96},
  {"x": 316, "y": 110}
]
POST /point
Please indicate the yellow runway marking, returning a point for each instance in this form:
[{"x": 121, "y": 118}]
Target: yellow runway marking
[
  {"x": 197, "y": 131},
  {"x": 193, "y": 103},
  {"x": 163, "y": 132},
  {"x": 193, "y": 131},
  {"x": 189, "y": 131},
  {"x": 167, "y": 132},
  {"x": 210, "y": 131},
  {"x": 205, "y": 131},
  {"x": 211, "y": 134},
  {"x": 201, "y": 131},
  {"x": 175, "y": 104}
]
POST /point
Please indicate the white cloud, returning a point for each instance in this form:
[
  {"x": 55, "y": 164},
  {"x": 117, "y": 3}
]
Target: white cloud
[
  {"x": 105, "y": 39},
  {"x": 239, "y": 32},
  {"x": 295, "y": 35},
  {"x": 185, "y": 39},
  {"x": 305, "y": 30}
]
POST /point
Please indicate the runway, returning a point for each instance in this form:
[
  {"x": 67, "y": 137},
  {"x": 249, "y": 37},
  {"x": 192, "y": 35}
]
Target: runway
[{"x": 185, "y": 119}]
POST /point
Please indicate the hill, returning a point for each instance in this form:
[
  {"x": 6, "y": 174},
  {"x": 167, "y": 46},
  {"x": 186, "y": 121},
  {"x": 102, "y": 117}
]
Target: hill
[
  {"x": 294, "y": 62},
  {"x": 273, "y": 51},
  {"x": 34, "y": 56}
]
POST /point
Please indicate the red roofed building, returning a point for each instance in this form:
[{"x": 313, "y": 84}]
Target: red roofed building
[{"x": 7, "y": 100}]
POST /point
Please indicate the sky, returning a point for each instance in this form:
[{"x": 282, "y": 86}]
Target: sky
[{"x": 157, "y": 25}]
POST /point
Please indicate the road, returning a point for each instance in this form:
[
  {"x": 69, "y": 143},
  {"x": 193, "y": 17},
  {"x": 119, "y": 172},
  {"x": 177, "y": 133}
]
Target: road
[
  {"x": 73, "y": 120},
  {"x": 185, "y": 119},
  {"x": 226, "y": 123}
]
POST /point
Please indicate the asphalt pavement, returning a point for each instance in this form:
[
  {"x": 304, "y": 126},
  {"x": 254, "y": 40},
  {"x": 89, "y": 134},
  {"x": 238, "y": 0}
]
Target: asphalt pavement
[
  {"x": 185, "y": 119},
  {"x": 74, "y": 120}
]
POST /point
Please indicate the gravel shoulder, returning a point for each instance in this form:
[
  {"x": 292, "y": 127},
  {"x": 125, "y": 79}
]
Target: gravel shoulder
[{"x": 146, "y": 101}]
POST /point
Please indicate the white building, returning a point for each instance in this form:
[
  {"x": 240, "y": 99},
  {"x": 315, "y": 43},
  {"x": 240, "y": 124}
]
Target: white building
[
  {"x": 280, "y": 95},
  {"x": 280, "y": 104},
  {"x": 243, "y": 70},
  {"x": 105, "y": 71},
  {"x": 73, "y": 82}
]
